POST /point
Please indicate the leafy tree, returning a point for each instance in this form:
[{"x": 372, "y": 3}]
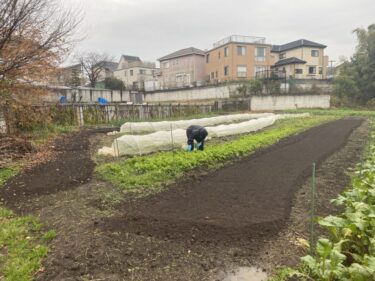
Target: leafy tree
[
  {"x": 346, "y": 87},
  {"x": 113, "y": 83},
  {"x": 358, "y": 75},
  {"x": 34, "y": 36},
  {"x": 256, "y": 86}
]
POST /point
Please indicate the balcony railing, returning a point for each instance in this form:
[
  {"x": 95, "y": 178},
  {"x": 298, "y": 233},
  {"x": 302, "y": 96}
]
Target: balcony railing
[
  {"x": 241, "y": 39},
  {"x": 270, "y": 75}
]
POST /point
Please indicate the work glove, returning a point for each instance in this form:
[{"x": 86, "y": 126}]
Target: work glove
[
  {"x": 189, "y": 148},
  {"x": 199, "y": 145}
]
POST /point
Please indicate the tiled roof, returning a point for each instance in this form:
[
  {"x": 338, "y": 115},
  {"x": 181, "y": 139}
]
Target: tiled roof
[
  {"x": 292, "y": 60},
  {"x": 110, "y": 65},
  {"x": 297, "y": 44},
  {"x": 131, "y": 58},
  {"x": 183, "y": 52}
]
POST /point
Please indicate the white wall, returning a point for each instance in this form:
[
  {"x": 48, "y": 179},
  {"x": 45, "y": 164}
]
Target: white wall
[
  {"x": 289, "y": 102},
  {"x": 221, "y": 92}
]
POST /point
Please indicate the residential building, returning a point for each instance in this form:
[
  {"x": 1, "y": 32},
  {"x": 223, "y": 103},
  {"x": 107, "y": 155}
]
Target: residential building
[
  {"x": 107, "y": 69},
  {"x": 237, "y": 58},
  {"x": 71, "y": 76},
  {"x": 301, "y": 59},
  {"x": 134, "y": 72},
  {"x": 183, "y": 68}
]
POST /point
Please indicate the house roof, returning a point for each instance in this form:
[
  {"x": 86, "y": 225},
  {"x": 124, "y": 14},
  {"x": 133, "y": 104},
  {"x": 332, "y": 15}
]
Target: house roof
[
  {"x": 292, "y": 60},
  {"x": 110, "y": 65},
  {"x": 183, "y": 52},
  {"x": 131, "y": 58},
  {"x": 296, "y": 44}
]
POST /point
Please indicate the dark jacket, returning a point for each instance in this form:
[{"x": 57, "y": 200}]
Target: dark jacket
[{"x": 196, "y": 132}]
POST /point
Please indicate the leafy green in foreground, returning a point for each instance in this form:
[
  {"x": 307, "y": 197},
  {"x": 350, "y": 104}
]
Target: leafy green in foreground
[
  {"x": 147, "y": 174},
  {"x": 21, "y": 251},
  {"x": 349, "y": 253},
  {"x": 7, "y": 172}
]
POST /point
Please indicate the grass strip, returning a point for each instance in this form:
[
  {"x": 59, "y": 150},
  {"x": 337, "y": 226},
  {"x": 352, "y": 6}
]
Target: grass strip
[
  {"x": 338, "y": 112},
  {"x": 8, "y": 172},
  {"x": 22, "y": 246},
  {"x": 147, "y": 174},
  {"x": 22, "y": 242}
]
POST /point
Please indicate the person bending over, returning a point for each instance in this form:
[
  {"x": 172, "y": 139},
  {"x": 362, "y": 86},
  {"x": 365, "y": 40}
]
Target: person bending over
[{"x": 197, "y": 133}]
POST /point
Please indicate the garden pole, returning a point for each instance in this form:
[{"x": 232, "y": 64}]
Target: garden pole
[
  {"x": 312, "y": 211},
  {"x": 118, "y": 152},
  {"x": 172, "y": 144}
]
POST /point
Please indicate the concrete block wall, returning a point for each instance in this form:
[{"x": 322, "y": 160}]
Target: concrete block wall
[
  {"x": 209, "y": 93},
  {"x": 263, "y": 103}
]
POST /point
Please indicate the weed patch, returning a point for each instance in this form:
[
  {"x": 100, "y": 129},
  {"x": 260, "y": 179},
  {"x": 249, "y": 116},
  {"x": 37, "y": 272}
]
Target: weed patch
[{"x": 8, "y": 172}]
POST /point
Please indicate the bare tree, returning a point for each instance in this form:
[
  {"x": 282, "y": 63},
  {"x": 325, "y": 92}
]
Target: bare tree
[
  {"x": 34, "y": 36},
  {"x": 93, "y": 64}
]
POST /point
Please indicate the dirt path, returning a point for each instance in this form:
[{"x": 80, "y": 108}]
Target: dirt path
[{"x": 189, "y": 232}]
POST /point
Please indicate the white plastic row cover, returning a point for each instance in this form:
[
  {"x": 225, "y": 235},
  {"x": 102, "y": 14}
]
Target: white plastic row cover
[{"x": 148, "y": 127}]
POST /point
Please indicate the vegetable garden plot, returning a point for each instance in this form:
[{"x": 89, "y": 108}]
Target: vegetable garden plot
[
  {"x": 148, "y": 127},
  {"x": 167, "y": 140}
]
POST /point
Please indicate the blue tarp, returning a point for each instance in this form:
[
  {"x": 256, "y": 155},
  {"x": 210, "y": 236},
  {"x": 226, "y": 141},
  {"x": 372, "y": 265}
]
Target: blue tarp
[{"x": 102, "y": 101}]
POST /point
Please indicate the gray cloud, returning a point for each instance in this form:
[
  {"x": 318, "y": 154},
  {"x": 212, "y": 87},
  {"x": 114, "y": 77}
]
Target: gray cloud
[{"x": 153, "y": 28}]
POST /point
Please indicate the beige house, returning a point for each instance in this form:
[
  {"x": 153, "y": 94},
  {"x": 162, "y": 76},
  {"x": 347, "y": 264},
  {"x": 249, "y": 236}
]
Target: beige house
[
  {"x": 237, "y": 58},
  {"x": 107, "y": 69},
  {"x": 183, "y": 68},
  {"x": 134, "y": 72},
  {"x": 71, "y": 76},
  {"x": 301, "y": 59}
]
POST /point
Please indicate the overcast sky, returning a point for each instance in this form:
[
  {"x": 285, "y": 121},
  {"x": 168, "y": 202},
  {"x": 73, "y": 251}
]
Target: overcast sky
[{"x": 153, "y": 28}]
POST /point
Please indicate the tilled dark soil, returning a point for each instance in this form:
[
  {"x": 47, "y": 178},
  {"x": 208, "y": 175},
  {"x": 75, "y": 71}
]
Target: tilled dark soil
[
  {"x": 72, "y": 167},
  {"x": 248, "y": 199}
]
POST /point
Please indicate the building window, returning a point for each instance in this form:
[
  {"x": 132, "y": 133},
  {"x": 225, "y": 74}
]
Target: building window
[
  {"x": 125, "y": 72},
  {"x": 259, "y": 68},
  {"x": 314, "y": 53},
  {"x": 282, "y": 56},
  {"x": 179, "y": 78},
  {"x": 166, "y": 64},
  {"x": 207, "y": 58},
  {"x": 312, "y": 70},
  {"x": 241, "y": 71},
  {"x": 320, "y": 70},
  {"x": 260, "y": 54},
  {"x": 225, "y": 51},
  {"x": 142, "y": 71},
  {"x": 226, "y": 70},
  {"x": 219, "y": 55},
  {"x": 216, "y": 74},
  {"x": 131, "y": 72},
  {"x": 241, "y": 50},
  {"x": 299, "y": 71}
]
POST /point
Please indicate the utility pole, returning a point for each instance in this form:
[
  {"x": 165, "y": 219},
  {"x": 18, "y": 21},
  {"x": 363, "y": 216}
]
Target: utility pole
[{"x": 331, "y": 62}]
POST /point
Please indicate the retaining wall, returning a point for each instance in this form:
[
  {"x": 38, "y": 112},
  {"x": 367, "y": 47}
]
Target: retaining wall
[{"x": 260, "y": 103}]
